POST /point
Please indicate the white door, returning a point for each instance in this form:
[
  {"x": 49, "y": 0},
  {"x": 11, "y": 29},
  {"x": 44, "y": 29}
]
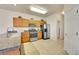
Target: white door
[
  {"x": 76, "y": 30},
  {"x": 71, "y": 42},
  {"x": 68, "y": 32}
]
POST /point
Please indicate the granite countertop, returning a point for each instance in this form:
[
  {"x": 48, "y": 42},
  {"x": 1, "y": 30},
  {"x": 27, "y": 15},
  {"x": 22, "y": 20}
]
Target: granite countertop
[{"x": 9, "y": 42}]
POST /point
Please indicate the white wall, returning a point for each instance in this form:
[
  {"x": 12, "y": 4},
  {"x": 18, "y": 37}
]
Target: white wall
[
  {"x": 71, "y": 29},
  {"x": 52, "y": 20},
  {"x": 6, "y": 19}
]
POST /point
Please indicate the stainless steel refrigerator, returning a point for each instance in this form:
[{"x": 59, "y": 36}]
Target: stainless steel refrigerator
[{"x": 45, "y": 28}]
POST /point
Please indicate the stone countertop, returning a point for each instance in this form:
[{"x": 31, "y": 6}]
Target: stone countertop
[{"x": 9, "y": 42}]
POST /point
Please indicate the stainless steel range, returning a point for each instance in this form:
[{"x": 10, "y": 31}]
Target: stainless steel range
[
  {"x": 33, "y": 35},
  {"x": 33, "y": 32}
]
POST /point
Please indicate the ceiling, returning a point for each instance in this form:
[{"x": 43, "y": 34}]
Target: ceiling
[
  {"x": 68, "y": 7},
  {"x": 24, "y": 8}
]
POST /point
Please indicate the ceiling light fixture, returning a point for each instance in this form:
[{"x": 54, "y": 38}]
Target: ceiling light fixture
[
  {"x": 63, "y": 12},
  {"x": 14, "y": 4},
  {"x": 38, "y": 9}
]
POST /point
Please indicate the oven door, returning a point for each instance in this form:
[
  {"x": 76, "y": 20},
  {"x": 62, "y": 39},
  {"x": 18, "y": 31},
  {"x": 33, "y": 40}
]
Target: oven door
[{"x": 33, "y": 37}]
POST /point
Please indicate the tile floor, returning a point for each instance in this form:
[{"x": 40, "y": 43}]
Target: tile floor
[{"x": 44, "y": 47}]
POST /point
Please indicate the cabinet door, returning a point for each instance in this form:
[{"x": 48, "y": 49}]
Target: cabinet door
[
  {"x": 25, "y": 23},
  {"x": 37, "y": 23},
  {"x": 17, "y": 22},
  {"x": 39, "y": 35},
  {"x": 25, "y": 37}
]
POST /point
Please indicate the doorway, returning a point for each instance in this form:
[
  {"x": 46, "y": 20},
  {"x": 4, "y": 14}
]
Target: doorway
[{"x": 60, "y": 28}]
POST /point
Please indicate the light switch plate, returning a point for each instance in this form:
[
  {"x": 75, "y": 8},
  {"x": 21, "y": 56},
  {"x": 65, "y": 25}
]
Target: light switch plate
[{"x": 77, "y": 33}]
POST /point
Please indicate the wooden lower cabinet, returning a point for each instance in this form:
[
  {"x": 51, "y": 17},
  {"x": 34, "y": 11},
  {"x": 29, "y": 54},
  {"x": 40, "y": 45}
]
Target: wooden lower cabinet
[
  {"x": 39, "y": 35},
  {"x": 12, "y": 52},
  {"x": 25, "y": 37}
]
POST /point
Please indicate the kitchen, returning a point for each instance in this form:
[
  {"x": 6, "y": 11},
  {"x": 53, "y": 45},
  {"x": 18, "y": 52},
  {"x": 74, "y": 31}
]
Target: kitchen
[
  {"x": 35, "y": 29},
  {"x": 23, "y": 27}
]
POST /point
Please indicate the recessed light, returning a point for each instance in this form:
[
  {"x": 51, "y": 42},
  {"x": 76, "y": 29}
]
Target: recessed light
[{"x": 38, "y": 9}]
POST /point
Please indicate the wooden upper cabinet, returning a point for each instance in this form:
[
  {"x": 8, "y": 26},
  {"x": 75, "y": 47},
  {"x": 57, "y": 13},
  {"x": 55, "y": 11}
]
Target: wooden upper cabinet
[
  {"x": 20, "y": 22},
  {"x": 25, "y": 22},
  {"x": 37, "y": 23},
  {"x": 17, "y": 22}
]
